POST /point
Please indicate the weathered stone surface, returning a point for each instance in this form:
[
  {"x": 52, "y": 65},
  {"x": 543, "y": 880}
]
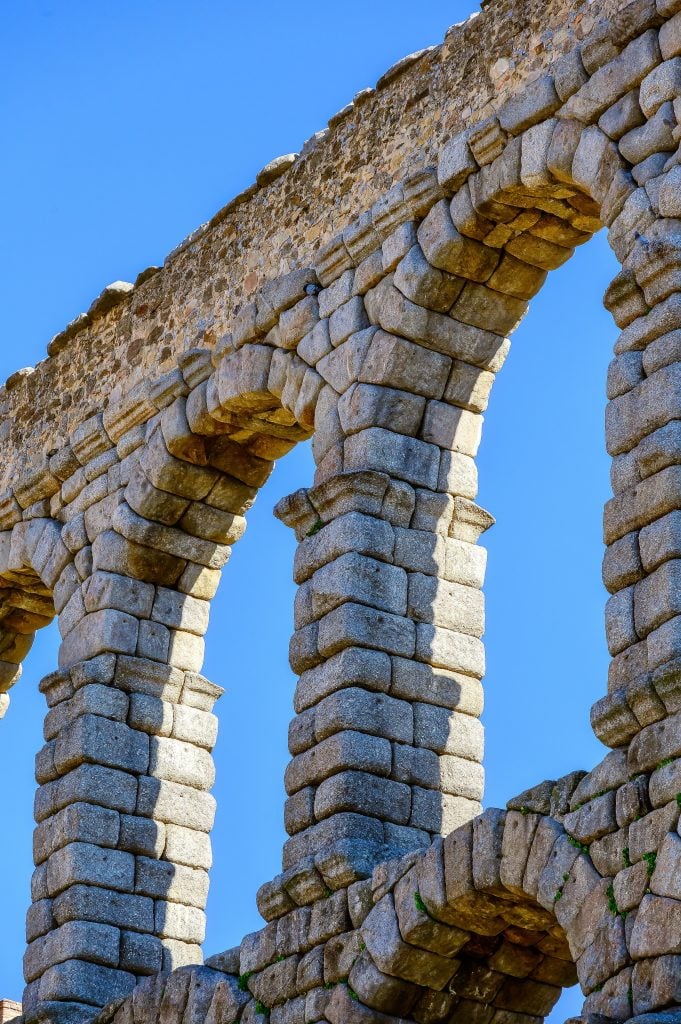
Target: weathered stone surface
[
  {"x": 381, "y": 935},
  {"x": 388, "y": 349},
  {"x": 656, "y": 930},
  {"x": 614, "y": 79}
]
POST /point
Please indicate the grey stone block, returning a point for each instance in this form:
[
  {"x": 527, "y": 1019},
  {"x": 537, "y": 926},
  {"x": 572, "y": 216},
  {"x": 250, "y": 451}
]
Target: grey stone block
[
  {"x": 354, "y": 577},
  {"x": 362, "y": 793},
  {"x": 666, "y": 879},
  {"x": 348, "y": 749},
  {"x": 180, "y": 611},
  {"x": 141, "y": 954},
  {"x": 498, "y": 314},
  {"x": 92, "y": 698},
  {"x": 655, "y": 136},
  {"x": 181, "y": 762},
  {"x": 536, "y": 102},
  {"x": 39, "y": 890},
  {"x": 416, "y": 766},
  {"x": 138, "y": 675},
  {"x": 353, "y": 625},
  {"x": 468, "y": 386},
  {"x": 397, "y": 363},
  {"x": 150, "y": 714},
  {"x": 175, "y": 804},
  {"x": 194, "y": 725},
  {"x": 178, "y": 954},
  {"x": 609, "y": 774},
  {"x": 442, "y": 603},
  {"x": 445, "y": 248},
  {"x": 186, "y": 846},
  {"x": 648, "y": 833},
  {"x": 79, "y": 822},
  {"x": 142, "y": 835},
  {"x": 420, "y": 551},
  {"x": 39, "y": 919},
  {"x": 452, "y": 428},
  {"x": 416, "y": 681},
  {"x": 619, "y": 621},
  {"x": 353, "y": 532},
  {"x": 354, "y": 666},
  {"x": 106, "y": 630},
  {"x": 338, "y": 292},
  {"x": 661, "y": 84},
  {"x": 593, "y": 820},
  {"x": 396, "y": 454},
  {"x": 75, "y": 940},
  {"x": 371, "y": 405},
  {"x": 166, "y": 881},
  {"x": 448, "y": 732},
  {"x": 91, "y": 865},
  {"x": 658, "y": 597},
  {"x": 444, "y": 648},
  {"x": 86, "y": 983},
  {"x": 656, "y": 929},
  {"x": 90, "y": 783},
  {"x": 455, "y": 164},
  {"x": 426, "y": 285},
  {"x": 153, "y": 641},
  {"x": 348, "y": 319},
  {"x": 461, "y": 777},
  {"x": 110, "y": 590},
  {"x": 355, "y": 708},
  {"x": 440, "y": 813},
  {"x": 659, "y": 449},
  {"x": 177, "y": 921},
  {"x": 168, "y": 540},
  {"x": 341, "y": 366},
  {"x": 622, "y": 116},
  {"x": 89, "y": 903},
  {"x": 98, "y": 740},
  {"x": 661, "y": 541},
  {"x": 339, "y": 845},
  {"x": 665, "y": 783},
  {"x": 380, "y": 932},
  {"x": 613, "y": 80},
  {"x": 458, "y": 474},
  {"x": 622, "y": 563}
]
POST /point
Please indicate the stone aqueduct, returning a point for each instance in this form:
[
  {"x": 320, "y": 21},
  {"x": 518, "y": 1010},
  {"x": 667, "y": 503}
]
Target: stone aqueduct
[{"x": 362, "y": 293}]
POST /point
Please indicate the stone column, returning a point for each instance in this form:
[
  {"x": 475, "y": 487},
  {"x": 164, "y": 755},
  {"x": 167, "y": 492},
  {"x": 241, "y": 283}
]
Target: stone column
[
  {"x": 124, "y": 812},
  {"x": 641, "y": 521},
  {"x": 122, "y": 845},
  {"x": 387, "y": 743}
]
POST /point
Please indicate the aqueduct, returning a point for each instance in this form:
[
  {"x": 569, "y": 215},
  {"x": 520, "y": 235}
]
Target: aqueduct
[{"x": 362, "y": 292}]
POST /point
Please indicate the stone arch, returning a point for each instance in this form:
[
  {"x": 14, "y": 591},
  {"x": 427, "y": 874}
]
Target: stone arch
[
  {"x": 147, "y": 509},
  {"x": 476, "y": 927},
  {"x": 33, "y": 557}
]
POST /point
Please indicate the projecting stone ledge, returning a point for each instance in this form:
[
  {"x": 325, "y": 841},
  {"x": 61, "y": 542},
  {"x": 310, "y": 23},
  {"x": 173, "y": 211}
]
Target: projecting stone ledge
[{"x": 9, "y": 1010}]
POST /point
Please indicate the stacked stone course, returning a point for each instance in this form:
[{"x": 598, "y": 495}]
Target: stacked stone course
[{"x": 399, "y": 900}]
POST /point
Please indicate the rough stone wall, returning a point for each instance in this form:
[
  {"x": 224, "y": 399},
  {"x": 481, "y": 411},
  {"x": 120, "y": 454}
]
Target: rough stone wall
[
  {"x": 385, "y": 134},
  {"x": 398, "y": 900}
]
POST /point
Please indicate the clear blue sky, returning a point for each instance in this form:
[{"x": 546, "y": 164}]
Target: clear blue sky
[{"x": 126, "y": 125}]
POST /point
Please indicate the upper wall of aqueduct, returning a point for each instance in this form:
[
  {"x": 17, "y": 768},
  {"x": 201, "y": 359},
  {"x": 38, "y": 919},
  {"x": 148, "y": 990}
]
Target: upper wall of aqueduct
[{"x": 282, "y": 221}]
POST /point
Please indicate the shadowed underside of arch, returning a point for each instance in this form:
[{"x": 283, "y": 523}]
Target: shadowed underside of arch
[{"x": 385, "y": 352}]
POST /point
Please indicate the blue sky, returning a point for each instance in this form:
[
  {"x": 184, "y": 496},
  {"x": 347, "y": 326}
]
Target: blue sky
[{"x": 126, "y": 126}]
